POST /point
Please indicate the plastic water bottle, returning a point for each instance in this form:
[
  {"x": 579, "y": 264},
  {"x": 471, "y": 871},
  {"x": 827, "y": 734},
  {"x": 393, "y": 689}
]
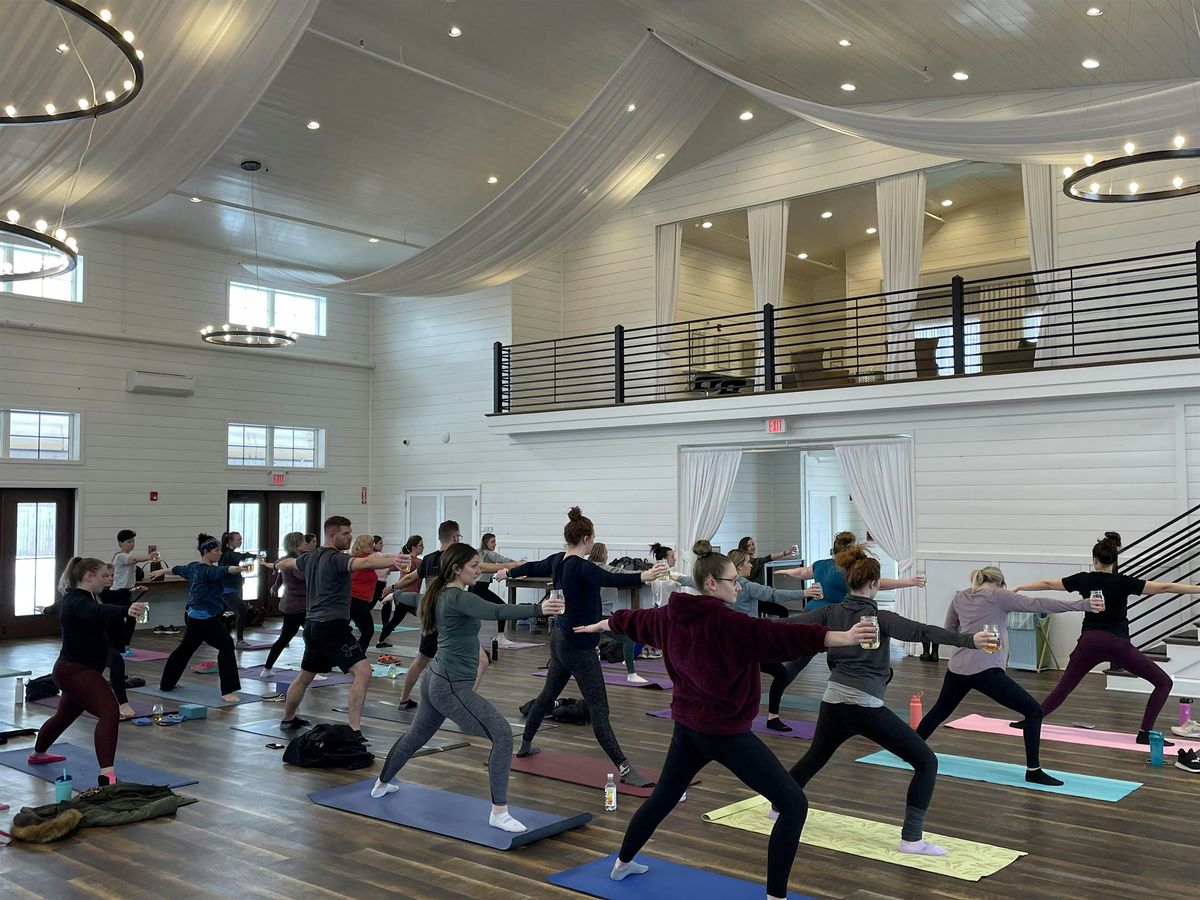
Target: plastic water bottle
[
  {"x": 1156, "y": 748},
  {"x": 19, "y": 691},
  {"x": 392, "y": 673},
  {"x": 610, "y": 793},
  {"x": 915, "y": 715},
  {"x": 1185, "y": 710},
  {"x": 495, "y": 649}
]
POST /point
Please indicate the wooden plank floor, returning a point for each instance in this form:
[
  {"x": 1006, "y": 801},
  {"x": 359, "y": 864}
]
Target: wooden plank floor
[{"x": 255, "y": 834}]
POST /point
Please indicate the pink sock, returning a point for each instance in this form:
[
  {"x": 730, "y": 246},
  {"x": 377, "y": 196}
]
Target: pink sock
[{"x": 40, "y": 759}]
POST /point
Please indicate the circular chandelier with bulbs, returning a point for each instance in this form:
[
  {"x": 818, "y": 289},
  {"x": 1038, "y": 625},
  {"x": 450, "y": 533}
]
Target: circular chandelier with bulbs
[
  {"x": 101, "y": 102},
  {"x": 62, "y": 247},
  {"x": 247, "y": 336},
  {"x": 1085, "y": 183}
]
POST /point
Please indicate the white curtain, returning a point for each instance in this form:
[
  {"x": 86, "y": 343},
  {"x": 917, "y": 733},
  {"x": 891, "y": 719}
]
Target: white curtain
[
  {"x": 600, "y": 163},
  {"x": 900, "y": 202},
  {"x": 878, "y": 476},
  {"x": 207, "y": 64},
  {"x": 1040, "y": 185},
  {"x": 706, "y": 480},
  {"x": 668, "y": 239},
  {"x": 767, "y": 225}
]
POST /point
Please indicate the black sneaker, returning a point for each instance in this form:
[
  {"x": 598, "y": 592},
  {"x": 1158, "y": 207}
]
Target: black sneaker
[
  {"x": 359, "y": 735},
  {"x": 778, "y": 725},
  {"x": 1143, "y": 737},
  {"x": 382, "y": 645},
  {"x": 407, "y": 704},
  {"x": 1188, "y": 761},
  {"x": 173, "y": 629},
  {"x": 294, "y": 722},
  {"x": 159, "y": 629}
]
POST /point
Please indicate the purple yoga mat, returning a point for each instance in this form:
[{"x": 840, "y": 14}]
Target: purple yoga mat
[
  {"x": 802, "y": 730},
  {"x": 618, "y": 680},
  {"x": 286, "y": 676},
  {"x": 643, "y": 666},
  {"x": 139, "y": 708},
  {"x": 140, "y": 655}
]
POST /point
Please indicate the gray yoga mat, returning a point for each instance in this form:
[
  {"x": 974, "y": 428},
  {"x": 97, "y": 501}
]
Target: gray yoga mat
[
  {"x": 203, "y": 694},
  {"x": 376, "y": 709},
  {"x": 381, "y": 739}
]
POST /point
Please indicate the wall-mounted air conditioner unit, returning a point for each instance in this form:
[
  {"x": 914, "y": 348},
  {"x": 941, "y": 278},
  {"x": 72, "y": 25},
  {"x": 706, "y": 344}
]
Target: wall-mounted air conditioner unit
[{"x": 160, "y": 383}]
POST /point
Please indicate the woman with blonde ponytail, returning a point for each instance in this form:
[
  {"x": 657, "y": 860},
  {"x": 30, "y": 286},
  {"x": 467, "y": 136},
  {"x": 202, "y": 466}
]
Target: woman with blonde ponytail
[
  {"x": 988, "y": 602},
  {"x": 81, "y": 661}
]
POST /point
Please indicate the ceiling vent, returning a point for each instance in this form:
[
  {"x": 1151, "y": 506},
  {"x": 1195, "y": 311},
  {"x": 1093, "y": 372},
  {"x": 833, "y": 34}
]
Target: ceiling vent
[{"x": 165, "y": 383}]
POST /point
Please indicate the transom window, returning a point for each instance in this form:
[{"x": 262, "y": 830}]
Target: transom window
[
  {"x": 37, "y": 434},
  {"x": 66, "y": 287},
  {"x": 276, "y": 445},
  {"x": 269, "y": 308}
]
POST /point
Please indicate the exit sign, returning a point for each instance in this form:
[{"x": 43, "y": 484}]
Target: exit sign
[
  {"x": 776, "y": 426},
  {"x": 278, "y": 478}
]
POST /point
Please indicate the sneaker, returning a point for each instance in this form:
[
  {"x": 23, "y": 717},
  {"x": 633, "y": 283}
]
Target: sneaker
[
  {"x": 128, "y": 654},
  {"x": 1143, "y": 737},
  {"x": 173, "y": 629},
  {"x": 382, "y": 645},
  {"x": 1187, "y": 760},
  {"x": 1189, "y": 729},
  {"x": 778, "y": 725},
  {"x": 242, "y": 645},
  {"x": 159, "y": 629},
  {"x": 407, "y": 704}
]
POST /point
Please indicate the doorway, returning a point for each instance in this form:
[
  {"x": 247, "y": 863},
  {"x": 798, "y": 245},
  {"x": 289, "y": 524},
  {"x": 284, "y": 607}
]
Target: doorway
[
  {"x": 426, "y": 510},
  {"x": 37, "y": 529},
  {"x": 263, "y": 518}
]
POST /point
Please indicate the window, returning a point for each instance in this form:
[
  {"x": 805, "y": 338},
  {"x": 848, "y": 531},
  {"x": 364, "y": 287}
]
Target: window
[
  {"x": 282, "y": 445},
  {"x": 36, "y": 557},
  {"x": 33, "y": 434},
  {"x": 66, "y": 287},
  {"x": 944, "y": 353},
  {"x": 267, "y": 308}
]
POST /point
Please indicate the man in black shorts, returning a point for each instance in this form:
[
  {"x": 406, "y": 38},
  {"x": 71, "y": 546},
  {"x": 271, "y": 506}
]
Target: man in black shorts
[{"x": 328, "y": 640}]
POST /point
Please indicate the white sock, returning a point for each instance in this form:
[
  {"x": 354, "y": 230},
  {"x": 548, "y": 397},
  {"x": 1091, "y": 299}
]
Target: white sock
[
  {"x": 923, "y": 848},
  {"x": 382, "y": 790},
  {"x": 620, "y": 869},
  {"x": 266, "y": 673},
  {"x": 505, "y": 822},
  {"x": 635, "y": 678}
]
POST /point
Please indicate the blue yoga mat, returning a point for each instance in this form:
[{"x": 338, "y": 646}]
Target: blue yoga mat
[
  {"x": 82, "y": 766},
  {"x": 1011, "y": 775},
  {"x": 664, "y": 881},
  {"x": 445, "y": 813}
]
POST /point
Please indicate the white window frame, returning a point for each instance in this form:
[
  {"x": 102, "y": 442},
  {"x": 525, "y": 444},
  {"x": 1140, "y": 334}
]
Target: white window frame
[
  {"x": 319, "y": 448},
  {"x": 15, "y": 287},
  {"x": 321, "y": 301},
  {"x": 74, "y": 438}
]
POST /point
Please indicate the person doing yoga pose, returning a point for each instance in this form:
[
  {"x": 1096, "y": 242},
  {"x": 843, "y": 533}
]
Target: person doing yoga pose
[
  {"x": 393, "y": 615},
  {"x": 987, "y": 602},
  {"x": 292, "y": 601},
  {"x": 713, "y": 655},
  {"x": 451, "y": 611}
]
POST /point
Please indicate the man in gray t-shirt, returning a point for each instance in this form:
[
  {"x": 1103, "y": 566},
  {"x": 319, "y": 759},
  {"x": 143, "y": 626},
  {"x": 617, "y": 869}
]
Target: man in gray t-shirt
[{"x": 326, "y": 572}]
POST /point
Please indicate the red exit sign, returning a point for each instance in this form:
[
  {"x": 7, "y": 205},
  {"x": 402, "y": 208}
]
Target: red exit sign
[
  {"x": 278, "y": 478},
  {"x": 776, "y": 426}
]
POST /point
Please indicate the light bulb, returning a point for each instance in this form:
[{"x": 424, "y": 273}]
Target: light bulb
[
  {"x": 1068, "y": 171},
  {"x": 454, "y": 31},
  {"x": 1094, "y": 11},
  {"x": 492, "y": 179},
  {"x": 746, "y": 116},
  {"x": 72, "y": 243},
  {"x": 1094, "y": 187},
  {"x": 706, "y": 224},
  {"x": 60, "y": 234},
  {"x": 313, "y": 125},
  {"x": 960, "y": 76},
  {"x": 1088, "y": 159},
  {"x": 41, "y": 225},
  {"x": 1179, "y": 141},
  {"x": 1133, "y": 187},
  {"x": 1177, "y": 182},
  {"x": 847, "y": 86},
  {"x": 872, "y": 230},
  {"x": 372, "y": 240},
  {"x": 947, "y": 203},
  {"x": 13, "y": 216},
  {"x": 801, "y": 256},
  {"x": 10, "y": 110},
  {"x": 51, "y": 109},
  {"x": 128, "y": 85},
  {"x": 827, "y": 215},
  {"x": 844, "y": 43},
  {"x": 1090, "y": 63},
  {"x": 105, "y": 15},
  {"x": 660, "y": 156},
  {"x": 110, "y": 96},
  {"x": 140, "y": 55},
  {"x": 1130, "y": 146},
  {"x": 128, "y": 35},
  {"x": 83, "y": 103}
]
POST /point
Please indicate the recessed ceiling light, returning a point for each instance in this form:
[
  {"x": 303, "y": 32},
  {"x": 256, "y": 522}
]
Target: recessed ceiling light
[
  {"x": 706, "y": 224},
  {"x": 62, "y": 48},
  {"x": 1133, "y": 187},
  {"x": 631, "y": 107},
  {"x": 843, "y": 43},
  {"x": 372, "y": 240},
  {"x": 492, "y": 179},
  {"x": 660, "y": 156},
  {"x": 960, "y": 76},
  {"x": 827, "y": 215},
  {"x": 454, "y": 31},
  {"x": 1130, "y": 147},
  {"x": 1179, "y": 141},
  {"x": 1177, "y": 182},
  {"x": 872, "y": 230},
  {"x": 314, "y": 125},
  {"x": 847, "y": 86},
  {"x": 947, "y": 203},
  {"x": 746, "y": 116},
  {"x": 1094, "y": 11},
  {"x": 196, "y": 200},
  {"x": 1090, "y": 63},
  {"x": 801, "y": 256}
]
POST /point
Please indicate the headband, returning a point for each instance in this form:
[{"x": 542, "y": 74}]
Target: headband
[{"x": 209, "y": 545}]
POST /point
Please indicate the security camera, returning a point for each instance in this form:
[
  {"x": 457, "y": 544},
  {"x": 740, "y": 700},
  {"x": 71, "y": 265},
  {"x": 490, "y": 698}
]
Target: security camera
[{"x": 405, "y": 442}]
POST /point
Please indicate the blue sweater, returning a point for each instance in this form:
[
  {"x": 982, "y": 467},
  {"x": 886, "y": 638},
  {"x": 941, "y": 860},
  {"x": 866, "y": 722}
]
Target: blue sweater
[
  {"x": 832, "y": 581},
  {"x": 205, "y": 587}
]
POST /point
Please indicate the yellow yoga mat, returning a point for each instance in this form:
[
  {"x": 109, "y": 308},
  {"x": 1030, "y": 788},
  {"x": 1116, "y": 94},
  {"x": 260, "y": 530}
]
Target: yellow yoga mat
[{"x": 967, "y": 860}]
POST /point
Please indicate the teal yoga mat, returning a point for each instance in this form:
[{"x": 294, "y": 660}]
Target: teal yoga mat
[
  {"x": 1089, "y": 787},
  {"x": 810, "y": 703}
]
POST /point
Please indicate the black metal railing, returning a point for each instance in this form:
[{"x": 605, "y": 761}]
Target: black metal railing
[
  {"x": 1121, "y": 310},
  {"x": 1170, "y": 552}
]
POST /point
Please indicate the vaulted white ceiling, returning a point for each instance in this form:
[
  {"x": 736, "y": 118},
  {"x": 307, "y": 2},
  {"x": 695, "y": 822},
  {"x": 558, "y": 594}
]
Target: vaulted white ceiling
[{"x": 413, "y": 121}]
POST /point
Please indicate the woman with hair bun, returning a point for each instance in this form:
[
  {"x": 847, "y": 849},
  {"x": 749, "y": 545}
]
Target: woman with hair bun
[
  {"x": 853, "y": 700},
  {"x": 1105, "y": 634},
  {"x": 988, "y": 602},
  {"x": 574, "y": 655}
]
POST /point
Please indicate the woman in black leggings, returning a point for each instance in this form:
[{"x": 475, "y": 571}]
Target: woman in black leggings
[
  {"x": 713, "y": 654},
  {"x": 853, "y": 700},
  {"x": 292, "y": 601},
  {"x": 393, "y": 611},
  {"x": 987, "y": 602}
]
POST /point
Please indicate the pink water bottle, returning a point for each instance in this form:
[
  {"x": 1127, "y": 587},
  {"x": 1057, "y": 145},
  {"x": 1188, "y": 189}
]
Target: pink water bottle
[
  {"x": 914, "y": 710},
  {"x": 1185, "y": 710}
]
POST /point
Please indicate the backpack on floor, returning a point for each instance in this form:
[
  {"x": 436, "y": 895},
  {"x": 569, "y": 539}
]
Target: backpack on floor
[
  {"x": 571, "y": 712},
  {"x": 611, "y": 649},
  {"x": 328, "y": 747},
  {"x": 40, "y": 688},
  {"x": 255, "y": 616}
]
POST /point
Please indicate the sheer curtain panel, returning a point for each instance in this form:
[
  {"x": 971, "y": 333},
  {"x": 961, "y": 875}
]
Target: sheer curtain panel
[
  {"x": 706, "y": 480},
  {"x": 900, "y": 202}
]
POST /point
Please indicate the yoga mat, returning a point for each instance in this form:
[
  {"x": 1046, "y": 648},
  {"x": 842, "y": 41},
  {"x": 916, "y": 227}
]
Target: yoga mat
[
  {"x": 140, "y": 655},
  {"x": 665, "y": 881},
  {"x": 485, "y": 641},
  {"x": 8, "y": 730},
  {"x": 284, "y": 677},
  {"x": 84, "y": 769},
  {"x": 1011, "y": 775},
  {"x": 381, "y": 739},
  {"x": 140, "y": 708},
  {"x": 445, "y": 813},
  {"x": 642, "y": 666},
  {"x": 574, "y": 768},
  {"x": 809, "y": 703},
  {"x": 380, "y": 670},
  {"x": 258, "y": 645},
  {"x": 204, "y": 694},
  {"x": 1067, "y": 735},
  {"x": 659, "y": 683},
  {"x": 802, "y": 730},
  {"x": 378, "y": 709},
  {"x": 968, "y": 860}
]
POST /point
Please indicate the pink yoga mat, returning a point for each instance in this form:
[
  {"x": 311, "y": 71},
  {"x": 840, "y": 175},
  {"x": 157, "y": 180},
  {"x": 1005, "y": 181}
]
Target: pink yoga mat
[
  {"x": 574, "y": 768},
  {"x": 618, "y": 680},
  {"x": 1066, "y": 734},
  {"x": 140, "y": 655},
  {"x": 802, "y": 730}
]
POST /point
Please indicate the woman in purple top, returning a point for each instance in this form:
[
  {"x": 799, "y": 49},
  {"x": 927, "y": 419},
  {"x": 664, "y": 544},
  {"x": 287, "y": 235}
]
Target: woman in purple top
[
  {"x": 293, "y": 601},
  {"x": 987, "y": 602}
]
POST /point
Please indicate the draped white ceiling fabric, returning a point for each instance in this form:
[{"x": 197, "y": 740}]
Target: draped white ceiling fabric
[
  {"x": 207, "y": 64},
  {"x": 1149, "y": 116},
  {"x": 599, "y": 164}
]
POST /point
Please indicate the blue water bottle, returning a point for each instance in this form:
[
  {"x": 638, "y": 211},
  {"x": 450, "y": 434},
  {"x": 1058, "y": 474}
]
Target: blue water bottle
[{"x": 1156, "y": 748}]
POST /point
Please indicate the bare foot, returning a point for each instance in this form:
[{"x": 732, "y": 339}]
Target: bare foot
[
  {"x": 127, "y": 711},
  {"x": 231, "y": 698}
]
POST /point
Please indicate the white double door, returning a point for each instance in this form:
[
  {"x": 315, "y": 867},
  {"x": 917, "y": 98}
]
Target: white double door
[{"x": 425, "y": 510}]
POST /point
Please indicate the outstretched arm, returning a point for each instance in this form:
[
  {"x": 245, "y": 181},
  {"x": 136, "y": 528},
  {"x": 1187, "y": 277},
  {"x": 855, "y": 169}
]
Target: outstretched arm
[
  {"x": 1046, "y": 584},
  {"x": 1171, "y": 587}
]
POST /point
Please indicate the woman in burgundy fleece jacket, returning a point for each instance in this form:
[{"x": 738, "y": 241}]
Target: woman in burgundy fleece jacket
[{"x": 713, "y": 655}]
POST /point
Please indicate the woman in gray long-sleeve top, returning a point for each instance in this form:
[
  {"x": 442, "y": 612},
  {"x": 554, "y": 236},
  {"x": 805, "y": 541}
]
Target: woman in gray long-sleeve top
[
  {"x": 987, "y": 602},
  {"x": 853, "y": 700}
]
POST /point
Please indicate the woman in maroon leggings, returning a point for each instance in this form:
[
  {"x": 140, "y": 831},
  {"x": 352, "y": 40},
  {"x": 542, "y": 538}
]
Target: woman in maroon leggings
[
  {"x": 78, "y": 672},
  {"x": 1105, "y": 636}
]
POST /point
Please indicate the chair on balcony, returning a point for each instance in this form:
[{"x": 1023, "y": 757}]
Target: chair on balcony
[
  {"x": 925, "y": 354},
  {"x": 808, "y": 371},
  {"x": 1019, "y": 359}
]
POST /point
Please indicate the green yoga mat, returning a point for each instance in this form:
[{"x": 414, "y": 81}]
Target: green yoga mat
[
  {"x": 968, "y": 860},
  {"x": 809, "y": 703}
]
